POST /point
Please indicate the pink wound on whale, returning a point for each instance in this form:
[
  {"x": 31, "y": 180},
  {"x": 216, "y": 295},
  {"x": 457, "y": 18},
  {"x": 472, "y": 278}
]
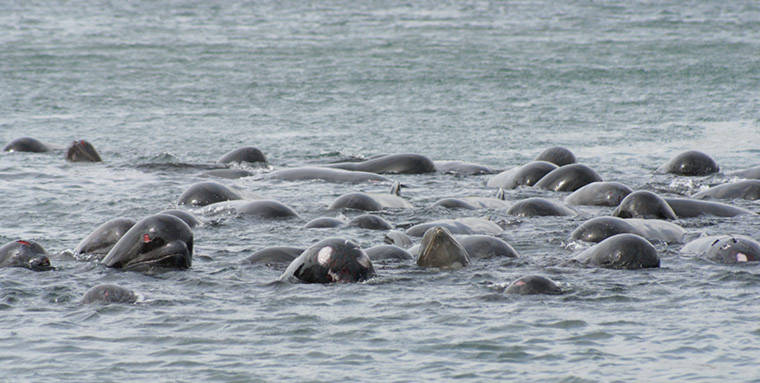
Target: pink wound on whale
[
  {"x": 520, "y": 283},
  {"x": 146, "y": 238},
  {"x": 323, "y": 257},
  {"x": 25, "y": 243},
  {"x": 741, "y": 257}
]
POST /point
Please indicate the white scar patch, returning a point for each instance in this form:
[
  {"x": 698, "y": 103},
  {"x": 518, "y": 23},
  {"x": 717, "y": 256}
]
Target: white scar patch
[
  {"x": 324, "y": 255},
  {"x": 741, "y": 257}
]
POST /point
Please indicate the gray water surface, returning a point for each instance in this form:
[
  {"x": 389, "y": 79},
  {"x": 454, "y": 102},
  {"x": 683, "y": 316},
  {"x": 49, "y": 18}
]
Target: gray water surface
[{"x": 163, "y": 89}]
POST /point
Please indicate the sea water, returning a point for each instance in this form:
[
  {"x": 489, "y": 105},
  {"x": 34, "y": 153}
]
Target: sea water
[{"x": 165, "y": 88}]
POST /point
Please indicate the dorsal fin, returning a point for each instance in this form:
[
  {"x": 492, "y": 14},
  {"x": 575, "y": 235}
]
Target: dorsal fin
[
  {"x": 396, "y": 188},
  {"x": 501, "y": 195}
]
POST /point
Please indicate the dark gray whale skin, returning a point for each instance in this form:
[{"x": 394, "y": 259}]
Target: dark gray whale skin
[
  {"x": 439, "y": 249},
  {"x": 328, "y": 261},
  {"x": 326, "y": 174},
  {"x": 398, "y": 238},
  {"x": 466, "y": 225},
  {"x": 104, "y": 237},
  {"x": 749, "y": 189},
  {"x": 369, "y": 202},
  {"x": 274, "y": 255},
  {"x": 388, "y": 252},
  {"x": 266, "y": 208},
  {"x": 690, "y": 163},
  {"x": 525, "y": 175},
  {"x": 568, "y": 178},
  {"x": 727, "y": 249},
  {"x": 188, "y": 217},
  {"x": 539, "y": 207},
  {"x": 599, "y": 194},
  {"x": 462, "y": 168},
  {"x": 644, "y": 204},
  {"x": 371, "y": 222},
  {"x": 688, "y": 208},
  {"x": 26, "y": 144},
  {"x": 533, "y": 284},
  {"x": 598, "y": 229},
  {"x": 26, "y": 254},
  {"x": 394, "y": 163},
  {"x": 622, "y": 251},
  {"x": 473, "y": 203},
  {"x": 246, "y": 154},
  {"x": 206, "y": 193},
  {"x": 750, "y": 173},
  {"x": 158, "y": 241},
  {"x": 227, "y": 173},
  {"x": 108, "y": 293},
  {"x": 480, "y": 246},
  {"x": 82, "y": 151},
  {"x": 557, "y": 155},
  {"x": 324, "y": 222}
]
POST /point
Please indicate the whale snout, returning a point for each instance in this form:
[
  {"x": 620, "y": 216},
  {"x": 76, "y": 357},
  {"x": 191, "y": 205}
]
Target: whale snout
[
  {"x": 40, "y": 264},
  {"x": 173, "y": 255}
]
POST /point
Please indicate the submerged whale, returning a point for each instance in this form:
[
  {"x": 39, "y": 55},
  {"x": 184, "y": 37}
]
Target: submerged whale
[
  {"x": 687, "y": 208},
  {"x": 274, "y": 255},
  {"x": 462, "y": 168},
  {"x": 206, "y": 193},
  {"x": 751, "y": 173},
  {"x": 525, "y": 175},
  {"x": 599, "y": 194},
  {"x": 467, "y": 225},
  {"x": 388, "y": 252},
  {"x": 108, "y": 293},
  {"x": 539, "y": 207},
  {"x": 245, "y": 154},
  {"x": 324, "y": 222},
  {"x": 473, "y": 203},
  {"x": 394, "y": 163},
  {"x": 621, "y": 251},
  {"x": 226, "y": 173},
  {"x": 557, "y": 155},
  {"x": 568, "y": 178},
  {"x": 26, "y": 144},
  {"x": 600, "y": 228},
  {"x": 26, "y": 254},
  {"x": 398, "y": 238},
  {"x": 157, "y": 241},
  {"x": 370, "y": 222},
  {"x": 749, "y": 189},
  {"x": 533, "y": 284},
  {"x": 326, "y": 174},
  {"x": 82, "y": 151},
  {"x": 372, "y": 201},
  {"x": 644, "y": 204},
  {"x": 103, "y": 238},
  {"x": 330, "y": 260},
  {"x": 440, "y": 249},
  {"x": 690, "y": 163},
  {"x": 260, "y": 208},
  {"x": 724, "y": 248},
  {"x": 188, "y": 217},
  {"x": 480, "y": 246}
]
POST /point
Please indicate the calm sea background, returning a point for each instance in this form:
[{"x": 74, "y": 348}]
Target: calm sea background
[{"x": 164, "y": 88}]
